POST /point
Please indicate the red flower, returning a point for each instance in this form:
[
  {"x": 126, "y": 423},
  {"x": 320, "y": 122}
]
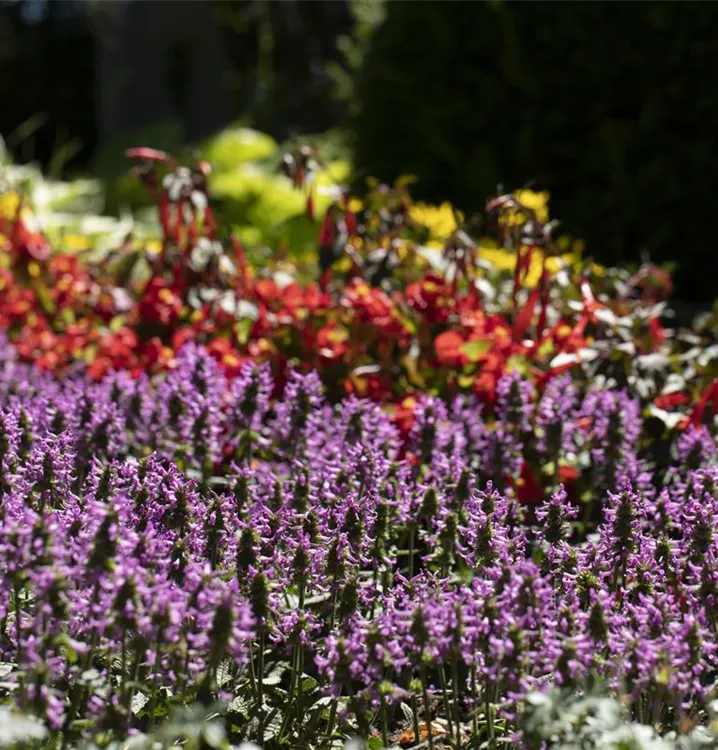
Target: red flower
[
  {"x": 528, "y": 490},
  {"x": 229, "y": 359},
  {"x": 268, "y": 291},
  {"x": 656, "y": 333},
  {"x": 708, "y": 401},
  {"x": 160, "y": 304},
  {"x": 403, "y": 414},
  {"x": 430, "y": 297},
  {"x": 670, "y": 401},
  {"x": 332, "y": 342},
  {"x": 448, "y": 349}
]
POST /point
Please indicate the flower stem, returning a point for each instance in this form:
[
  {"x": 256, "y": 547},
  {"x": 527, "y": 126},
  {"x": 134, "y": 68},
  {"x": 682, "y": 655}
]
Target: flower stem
[
  {"x": 427, "y": 707},
  {"x": 474, "y": 717},
  {"x": 415, "y": 719},
  {"x": 455, "y": 688},
  {"x": 445, "y": 700},
  {"x": 384, "y": 721},
  {"x": 260, "y": 684}
]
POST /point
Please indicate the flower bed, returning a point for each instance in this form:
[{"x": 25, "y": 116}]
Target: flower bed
[
  {"x": 411, "y": 499},
  {"x": 320, "y": 573},
  {"x": 403, "y": 301}
]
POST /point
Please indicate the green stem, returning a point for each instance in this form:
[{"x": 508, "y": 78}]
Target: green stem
[
  {"x": 445, "y": 699},
  {"x": 18, "y": 624},
  {"x": 488, "y": 708},
  {"x": 260, "y": 684},
  {"x": 384, "y": 721},
  {"x": 412, "y": 533},
  {"x": 332, "y": 719},
  {"x": 300, "y": 685},
  {"x": 123, "y": 667},
  {"x": 135, "y": 675},
  {"x": 252, "y": 678},
  {"x": 415, "y": 719},
  {"x": 290, "y": 700},
  {"x": 427, "y": 707},
  {"x": 455, "y": 688},
  {"x": 153, "y": 699},
  {"x": 475, "y": 703}
]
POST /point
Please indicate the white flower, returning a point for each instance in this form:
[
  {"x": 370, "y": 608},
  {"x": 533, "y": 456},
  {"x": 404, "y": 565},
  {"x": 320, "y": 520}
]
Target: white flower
[
  {"x": 202, "y": 253},
  {"x": 282, "y": 279},
  {"x": 199, "y": 200},
  {"x": 239, "y": 308},
  {"x": 226, "y": 265},
  {"x": 121, "y": 300},
  {"x": 178, "y": 183}
]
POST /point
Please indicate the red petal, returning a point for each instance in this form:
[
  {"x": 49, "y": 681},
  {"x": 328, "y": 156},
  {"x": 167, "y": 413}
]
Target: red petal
[{"x": 448, "y": 347}]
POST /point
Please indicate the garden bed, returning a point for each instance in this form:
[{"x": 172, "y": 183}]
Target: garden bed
[{"x": 420, "y": 499}]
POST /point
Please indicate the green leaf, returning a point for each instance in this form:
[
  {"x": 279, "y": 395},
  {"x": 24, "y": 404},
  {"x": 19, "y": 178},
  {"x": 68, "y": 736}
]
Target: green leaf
[
  {"x": 274, "y": 677},
  {"x": 224, "y": 672},
  {"x": 476, "y": 348},
  {"x": 139, "y": 701},
  {"x": 240, "y": 705},
  {"x": 243, "y": 328},
  {"x": 309, "y": 684}
]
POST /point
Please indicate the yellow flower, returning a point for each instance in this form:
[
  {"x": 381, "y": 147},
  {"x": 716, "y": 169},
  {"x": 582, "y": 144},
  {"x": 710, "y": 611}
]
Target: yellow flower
[
  {"x": 505, "y": 260},
  {"x": 500, "y": 258},
  {"x": 76, "y": 242},
  {"x": 439, "y": 220},
  {"x": 8, "y": 205},
  {"x": 537, "y": 202}
]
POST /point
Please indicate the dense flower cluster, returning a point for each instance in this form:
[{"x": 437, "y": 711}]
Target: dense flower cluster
[
  {"x": 186, "y": 538},
  {"x": 397, "y": 298}
]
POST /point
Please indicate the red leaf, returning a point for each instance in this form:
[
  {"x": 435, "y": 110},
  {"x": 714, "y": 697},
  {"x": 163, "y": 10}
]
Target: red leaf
[{"x": 525, "y": 315}]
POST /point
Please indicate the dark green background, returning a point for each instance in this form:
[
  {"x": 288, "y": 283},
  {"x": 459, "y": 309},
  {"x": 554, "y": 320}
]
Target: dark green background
[{"x": 611, "y": 106}]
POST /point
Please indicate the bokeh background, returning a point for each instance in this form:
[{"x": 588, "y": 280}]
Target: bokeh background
[{"x": 612, "y": 107}]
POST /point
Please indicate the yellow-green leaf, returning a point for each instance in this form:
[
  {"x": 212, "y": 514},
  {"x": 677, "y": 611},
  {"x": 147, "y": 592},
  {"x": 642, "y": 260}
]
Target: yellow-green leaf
[{"x": 476, "y": 348}]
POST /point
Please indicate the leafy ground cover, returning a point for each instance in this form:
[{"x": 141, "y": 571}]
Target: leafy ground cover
[{"x": 422, "y": 497}]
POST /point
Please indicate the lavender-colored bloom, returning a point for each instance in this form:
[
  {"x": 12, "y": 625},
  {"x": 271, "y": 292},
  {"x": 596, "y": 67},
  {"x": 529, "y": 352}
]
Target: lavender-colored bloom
[{"x": 141, "y": 540}]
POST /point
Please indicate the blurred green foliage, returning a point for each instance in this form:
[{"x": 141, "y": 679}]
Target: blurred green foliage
[{"x": 610, "y": 106}]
